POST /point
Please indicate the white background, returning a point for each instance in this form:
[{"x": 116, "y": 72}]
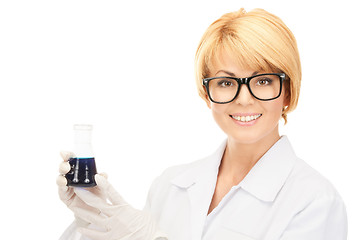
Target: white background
[{"x": 127, "y": 68}]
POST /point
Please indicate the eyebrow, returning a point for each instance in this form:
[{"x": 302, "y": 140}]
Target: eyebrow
[
  {"x": 226, "y": 72},
  {"x": 232, "y": 74}
]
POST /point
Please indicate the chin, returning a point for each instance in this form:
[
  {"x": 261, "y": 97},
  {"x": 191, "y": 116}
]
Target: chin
[
  {"x": 245, "y": 138},
  {"x": 253, "y": 135}
]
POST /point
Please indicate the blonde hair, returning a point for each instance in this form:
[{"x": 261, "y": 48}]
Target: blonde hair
[{"x": 258, "y": 40}]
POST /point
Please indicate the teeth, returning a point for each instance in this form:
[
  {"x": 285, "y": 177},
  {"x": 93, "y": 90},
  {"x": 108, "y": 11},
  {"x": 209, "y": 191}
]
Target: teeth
[{"x": 246, "y": 118}]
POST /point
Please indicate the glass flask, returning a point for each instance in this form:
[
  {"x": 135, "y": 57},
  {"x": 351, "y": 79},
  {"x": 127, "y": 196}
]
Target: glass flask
[{"x": 83, "y": 167}]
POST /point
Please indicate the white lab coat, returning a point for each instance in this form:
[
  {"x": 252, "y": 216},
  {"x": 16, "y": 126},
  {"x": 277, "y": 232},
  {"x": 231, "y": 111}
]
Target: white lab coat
[{"x": 281, "y": 198}]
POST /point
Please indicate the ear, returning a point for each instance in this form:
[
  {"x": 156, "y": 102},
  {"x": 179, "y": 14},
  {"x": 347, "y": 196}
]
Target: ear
[
  {"x": 206, "y": 98},
  {"x": 286, "y": 101},
  {"x": 287, "y": 97},
  {"x": 208, "y": 102}
]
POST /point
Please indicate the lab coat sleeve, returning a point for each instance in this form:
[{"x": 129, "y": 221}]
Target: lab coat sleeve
[
  {"x": 150, "y": 196},
  {"x": 323, "y": 219},
  {"x": 159, "y": 235},
  {"x": 71, "y": 234}
]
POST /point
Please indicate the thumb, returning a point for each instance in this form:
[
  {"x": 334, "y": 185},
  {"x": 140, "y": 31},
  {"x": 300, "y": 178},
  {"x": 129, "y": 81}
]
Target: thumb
[
  {"x": 104, "y": 175},
  {"x": 66, "y": 155},
  {"x": 104, "y": 185}
]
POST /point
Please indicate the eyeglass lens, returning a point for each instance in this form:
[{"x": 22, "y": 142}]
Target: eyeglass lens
[{"x": 262, "y": 87}]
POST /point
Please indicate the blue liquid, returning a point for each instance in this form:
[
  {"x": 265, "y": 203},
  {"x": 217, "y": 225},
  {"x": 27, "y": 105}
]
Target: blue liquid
[{"x": 82, "y": 172}]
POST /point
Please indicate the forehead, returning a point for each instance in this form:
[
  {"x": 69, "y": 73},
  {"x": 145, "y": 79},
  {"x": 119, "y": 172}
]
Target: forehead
[
  {"x": 226, "y": 64},
  {"x": 238, "y": 62}
]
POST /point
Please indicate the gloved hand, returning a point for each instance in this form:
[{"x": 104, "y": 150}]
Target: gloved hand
[{"x": 102, "y": 214}]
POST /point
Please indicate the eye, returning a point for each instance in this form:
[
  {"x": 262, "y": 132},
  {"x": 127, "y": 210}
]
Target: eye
[
  {"x": 263, "y": 81},
  {"x": 225, "y": 83}
]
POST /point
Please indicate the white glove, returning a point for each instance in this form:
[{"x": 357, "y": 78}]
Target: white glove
[{"x": 102, "y": 214}]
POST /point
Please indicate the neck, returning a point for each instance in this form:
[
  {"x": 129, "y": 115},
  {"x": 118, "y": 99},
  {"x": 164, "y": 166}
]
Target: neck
[{"x": 239, "y": 158}]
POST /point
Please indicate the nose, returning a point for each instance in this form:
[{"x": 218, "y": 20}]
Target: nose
[{"x": 244, "y": 97}]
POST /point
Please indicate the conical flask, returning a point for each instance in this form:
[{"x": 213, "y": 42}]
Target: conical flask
[{"x": 83, "y": 167}]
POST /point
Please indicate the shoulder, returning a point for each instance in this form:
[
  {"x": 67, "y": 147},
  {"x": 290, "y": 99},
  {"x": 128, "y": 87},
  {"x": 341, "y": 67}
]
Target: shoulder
[
  {"x": 315, "y": 208},
  {"x": 308, "y": 192},
  {"x": 162, "y": 185},
  {"x": 176, "y": 170},
  {"x": 182, "y": 176},
  {"x": 163, "y": 181},
  {"x": 310, "y": 182}
]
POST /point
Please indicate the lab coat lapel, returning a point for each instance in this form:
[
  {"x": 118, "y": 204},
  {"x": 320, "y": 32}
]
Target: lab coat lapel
[
  {"x": 267, "y": 177},
  {"x": 200, "y": 195},
  {"x": 200, "y": 182}
]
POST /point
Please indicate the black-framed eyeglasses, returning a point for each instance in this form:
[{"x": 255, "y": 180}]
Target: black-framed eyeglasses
[{"x": 264, "y": 87}]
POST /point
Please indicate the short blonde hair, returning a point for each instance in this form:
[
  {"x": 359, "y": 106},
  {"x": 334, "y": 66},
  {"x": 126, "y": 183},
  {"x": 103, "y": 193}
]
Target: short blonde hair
[{"x": 258, "y": 40}]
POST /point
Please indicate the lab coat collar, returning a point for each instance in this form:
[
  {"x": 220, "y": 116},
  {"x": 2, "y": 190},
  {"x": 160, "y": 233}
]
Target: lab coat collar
[
  {"x": 269, "y": 174},
  {"x": 199, "y": 180},
  {"x": 201, "y": 169},
  {"x": 264, "y": 181}
]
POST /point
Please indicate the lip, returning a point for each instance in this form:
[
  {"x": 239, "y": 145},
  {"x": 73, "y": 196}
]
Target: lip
[
  {"x": 244, "y": 114},
  {"x": 250, "y": 123}
]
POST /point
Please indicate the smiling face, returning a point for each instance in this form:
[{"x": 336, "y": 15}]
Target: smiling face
[
  {"x": 257, "y": 40},
  {"x": 245, "y": 120}
]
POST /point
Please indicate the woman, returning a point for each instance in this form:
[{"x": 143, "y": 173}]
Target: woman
[{"x": 253, "y": 187}]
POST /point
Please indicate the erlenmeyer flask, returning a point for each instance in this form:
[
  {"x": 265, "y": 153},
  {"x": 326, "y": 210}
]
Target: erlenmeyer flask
[{"x": 83, "y": 167}]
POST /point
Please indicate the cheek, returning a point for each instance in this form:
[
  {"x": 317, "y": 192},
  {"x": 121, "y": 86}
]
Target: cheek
[
  {"x": 219, "y": 112},
  {"x": 275, "y": 108}
]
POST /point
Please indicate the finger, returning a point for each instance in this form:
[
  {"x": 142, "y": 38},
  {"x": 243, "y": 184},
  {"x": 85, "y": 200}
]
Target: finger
[
  {"x": 64, "y": 168},
  {"x": 66, "y": 155},
  {"x": 98, "y": 201},
  {"x": 65, "y": 193},
  {"x": 104, "y": 185},
  {"x": 93, "y": 200},
  {"x": 80, "y": 222},
  {"x": 61, "y": 181},
  {"x": 93, "y": 216},
  {"x": 104, "y": 175},
  {"x": 93, "y": 234}
]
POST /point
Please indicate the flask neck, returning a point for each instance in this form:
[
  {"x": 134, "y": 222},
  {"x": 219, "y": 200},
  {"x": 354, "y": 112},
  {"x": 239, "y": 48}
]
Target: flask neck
[
  {"x": 82, "y": 142},
  {"x": 83, "y": 150},
  {"x": 82, "y": 136}
]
